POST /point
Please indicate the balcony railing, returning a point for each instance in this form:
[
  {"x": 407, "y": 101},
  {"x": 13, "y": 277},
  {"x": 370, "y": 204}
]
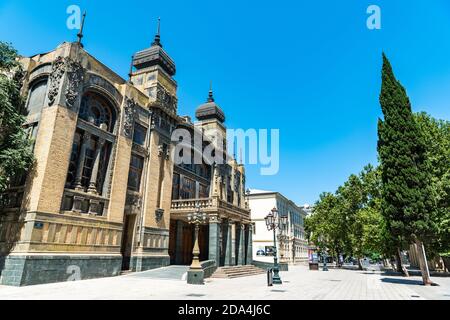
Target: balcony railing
[
  {"x": 192, "y": 204},
  {"x": 208, "y": 205}
]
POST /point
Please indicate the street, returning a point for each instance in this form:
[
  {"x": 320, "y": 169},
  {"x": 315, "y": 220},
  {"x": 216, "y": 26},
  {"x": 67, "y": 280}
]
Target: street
[{"x": 298, "y": 284}]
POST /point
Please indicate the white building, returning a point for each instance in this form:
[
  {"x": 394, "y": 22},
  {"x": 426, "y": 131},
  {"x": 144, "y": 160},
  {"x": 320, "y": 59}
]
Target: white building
[{"x": 291, "y": 243}]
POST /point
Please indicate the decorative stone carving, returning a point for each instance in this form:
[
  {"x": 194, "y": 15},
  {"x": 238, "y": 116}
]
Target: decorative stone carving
[
  {"x": 160, "y": 150},
  {"x": 134, "y": 200},
  {"x": 55, "y": 80},
  {"x": 155, "y": 121},
  {"x": 164, "y": 150},
  {"x": 159, "y": 214},
  {"x": 128, "y": 117},
  {"x": 167, "y": 153},
  {"x": 166, "y": 100},
  {"x": 75, "y": 75},
  {"x": 213, "y": 219},
  {"x": 237, "y": 180}
]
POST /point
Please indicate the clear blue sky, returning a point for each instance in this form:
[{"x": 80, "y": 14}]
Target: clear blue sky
[{"x": 309, "y": 68}]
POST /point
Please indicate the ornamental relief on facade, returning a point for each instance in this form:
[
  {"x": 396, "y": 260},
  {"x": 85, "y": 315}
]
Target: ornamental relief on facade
[
  {"x": 75, "y": 77},
  {"x": 164, "y": 151},
  {"x": 166, "y": 100},
  {"x": 55, "y": 80},
  {"x": 129, "y": 117}
]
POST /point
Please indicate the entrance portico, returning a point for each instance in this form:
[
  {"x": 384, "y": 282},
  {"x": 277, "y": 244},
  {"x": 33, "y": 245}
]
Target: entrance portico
[{"x": 225, "y": 238}]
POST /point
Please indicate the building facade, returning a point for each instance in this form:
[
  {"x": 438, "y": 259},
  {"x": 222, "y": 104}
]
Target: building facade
[
  {"x": 105, "y": 193},
  {"x": 291, "y": 240}
]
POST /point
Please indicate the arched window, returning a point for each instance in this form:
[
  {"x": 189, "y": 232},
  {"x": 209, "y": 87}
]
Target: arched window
[
  {"x": 98, "y": 111},
  {"x": 37, "y": 97}
]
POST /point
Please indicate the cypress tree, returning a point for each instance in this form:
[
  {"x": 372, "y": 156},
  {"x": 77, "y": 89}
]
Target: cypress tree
[{"x": 405, "y": 177}]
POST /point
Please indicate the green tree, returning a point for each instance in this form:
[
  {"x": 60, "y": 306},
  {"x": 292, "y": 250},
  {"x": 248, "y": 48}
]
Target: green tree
[
  {"x": 15, "y": 148},
  {"x": 323, "y": 227},
  {"x": 437, "y": 140},
  {"x": 406, "y": 200}
]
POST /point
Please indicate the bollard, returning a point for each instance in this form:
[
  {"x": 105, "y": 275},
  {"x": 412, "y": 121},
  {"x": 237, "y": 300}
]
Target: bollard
[{"x": 269, "y": 277}]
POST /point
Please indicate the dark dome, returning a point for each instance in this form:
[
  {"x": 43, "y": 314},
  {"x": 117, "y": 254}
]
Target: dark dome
[{"x": 210, "y": 110}]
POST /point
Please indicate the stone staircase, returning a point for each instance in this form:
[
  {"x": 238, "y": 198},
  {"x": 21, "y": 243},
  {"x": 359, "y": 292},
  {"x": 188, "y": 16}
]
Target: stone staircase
[{"x": 237, "y": 271}]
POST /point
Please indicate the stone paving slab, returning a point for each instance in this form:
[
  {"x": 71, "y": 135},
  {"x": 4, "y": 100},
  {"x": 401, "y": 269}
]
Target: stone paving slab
[
  {"x": 167, "y": 273},
  {"x": 299, "y": 284}
]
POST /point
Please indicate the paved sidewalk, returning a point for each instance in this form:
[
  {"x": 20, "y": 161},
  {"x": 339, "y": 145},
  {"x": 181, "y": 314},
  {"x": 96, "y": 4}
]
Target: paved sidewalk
[{"x": 299, "y": 283}]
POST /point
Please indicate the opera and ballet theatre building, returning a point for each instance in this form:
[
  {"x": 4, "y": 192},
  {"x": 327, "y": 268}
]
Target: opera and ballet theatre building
[{"x": 105, "y": 193}]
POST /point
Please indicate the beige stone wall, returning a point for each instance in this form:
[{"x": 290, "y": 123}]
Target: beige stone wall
[
  {"x": 167, "y": 192},
  {"x": 71, "y": 233},
  {"x": 52, "y": 153},
  {"x": 120, "y": 179},
  {"x": 153, "y": 169}
]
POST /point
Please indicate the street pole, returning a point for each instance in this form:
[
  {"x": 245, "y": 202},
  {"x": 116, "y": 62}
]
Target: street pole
[
  {"x": 195, "y": 273},
  {"x": 274, "y": 222},
  {"x": 325, "y": 268},
  {"x": 195, "y": 265},
  {"x": 276, "y": 268}
]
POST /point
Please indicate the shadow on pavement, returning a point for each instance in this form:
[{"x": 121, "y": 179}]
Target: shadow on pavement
[{"x": 403, "y": 281}]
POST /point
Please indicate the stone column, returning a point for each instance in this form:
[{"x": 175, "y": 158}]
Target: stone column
[
  {"x": 179, "y": 242},
  {"x": 81, "y": 158},
  {"x": 214, "y": 245},
  {"x": 241, "y": 254},
  {"x": 233, "y": 243},
  {"x": 249, "y": 259},
  {"x": 93, "y": 181},
  {"x": 228, "y": 244}
]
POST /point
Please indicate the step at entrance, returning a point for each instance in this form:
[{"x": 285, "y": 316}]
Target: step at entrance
[{"x": 237, "y": 271}]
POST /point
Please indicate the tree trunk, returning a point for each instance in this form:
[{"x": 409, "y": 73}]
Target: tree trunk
[
  {"x": 389, "y": 264},
  {"x": 420, "y": 249},
  {"x": 360, "y": 267},
  {"x": 400, "y": 267}
]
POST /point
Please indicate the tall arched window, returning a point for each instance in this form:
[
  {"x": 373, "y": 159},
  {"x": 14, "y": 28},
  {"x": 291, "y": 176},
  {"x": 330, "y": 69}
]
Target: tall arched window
[
  {"x": 97, "y": 110},
  {"x": 37, "y": 97},
  {"x": 91, "y": 151}
]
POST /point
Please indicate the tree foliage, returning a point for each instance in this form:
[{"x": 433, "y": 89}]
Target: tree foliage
[
  {"x": 436, "y": 134},
  {"x": 349, "y": 222},
  {"x": 15, "y": 148},
  {"x": 407, "y": 198}
]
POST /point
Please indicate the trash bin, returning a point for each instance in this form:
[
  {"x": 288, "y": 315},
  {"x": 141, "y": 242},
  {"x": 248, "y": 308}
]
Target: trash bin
[
  {"x": 270, "y": 277},
  {"x": 314, "y": 266}
]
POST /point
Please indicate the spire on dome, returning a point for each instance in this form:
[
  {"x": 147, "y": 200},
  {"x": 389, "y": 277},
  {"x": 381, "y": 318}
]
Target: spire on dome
[
  {"x": 210, "y": 109},
  {"x": 210, "y": 95},
  {"x": 157, "y": 41}
]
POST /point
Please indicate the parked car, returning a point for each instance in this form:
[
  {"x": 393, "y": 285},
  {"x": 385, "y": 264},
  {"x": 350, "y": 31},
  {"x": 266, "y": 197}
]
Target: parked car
[{"x": 260, "y": 253}]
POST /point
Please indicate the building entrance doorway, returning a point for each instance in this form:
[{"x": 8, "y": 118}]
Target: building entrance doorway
[
  {"x": 127, "y": 240},
  {"x": 181, "y": 242}
]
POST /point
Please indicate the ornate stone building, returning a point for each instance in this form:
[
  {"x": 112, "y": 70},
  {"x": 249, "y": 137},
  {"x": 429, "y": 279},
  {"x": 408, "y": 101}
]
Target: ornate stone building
[{"x": 104, "y": 194}]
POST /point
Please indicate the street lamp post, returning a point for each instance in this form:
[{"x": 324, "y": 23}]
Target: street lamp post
[
  {"x": 325, "y": 268},
  {"x": 273, "y": 222},
  {"x": 324, "y": 252},
  {"x": 195, "y": 272}
]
